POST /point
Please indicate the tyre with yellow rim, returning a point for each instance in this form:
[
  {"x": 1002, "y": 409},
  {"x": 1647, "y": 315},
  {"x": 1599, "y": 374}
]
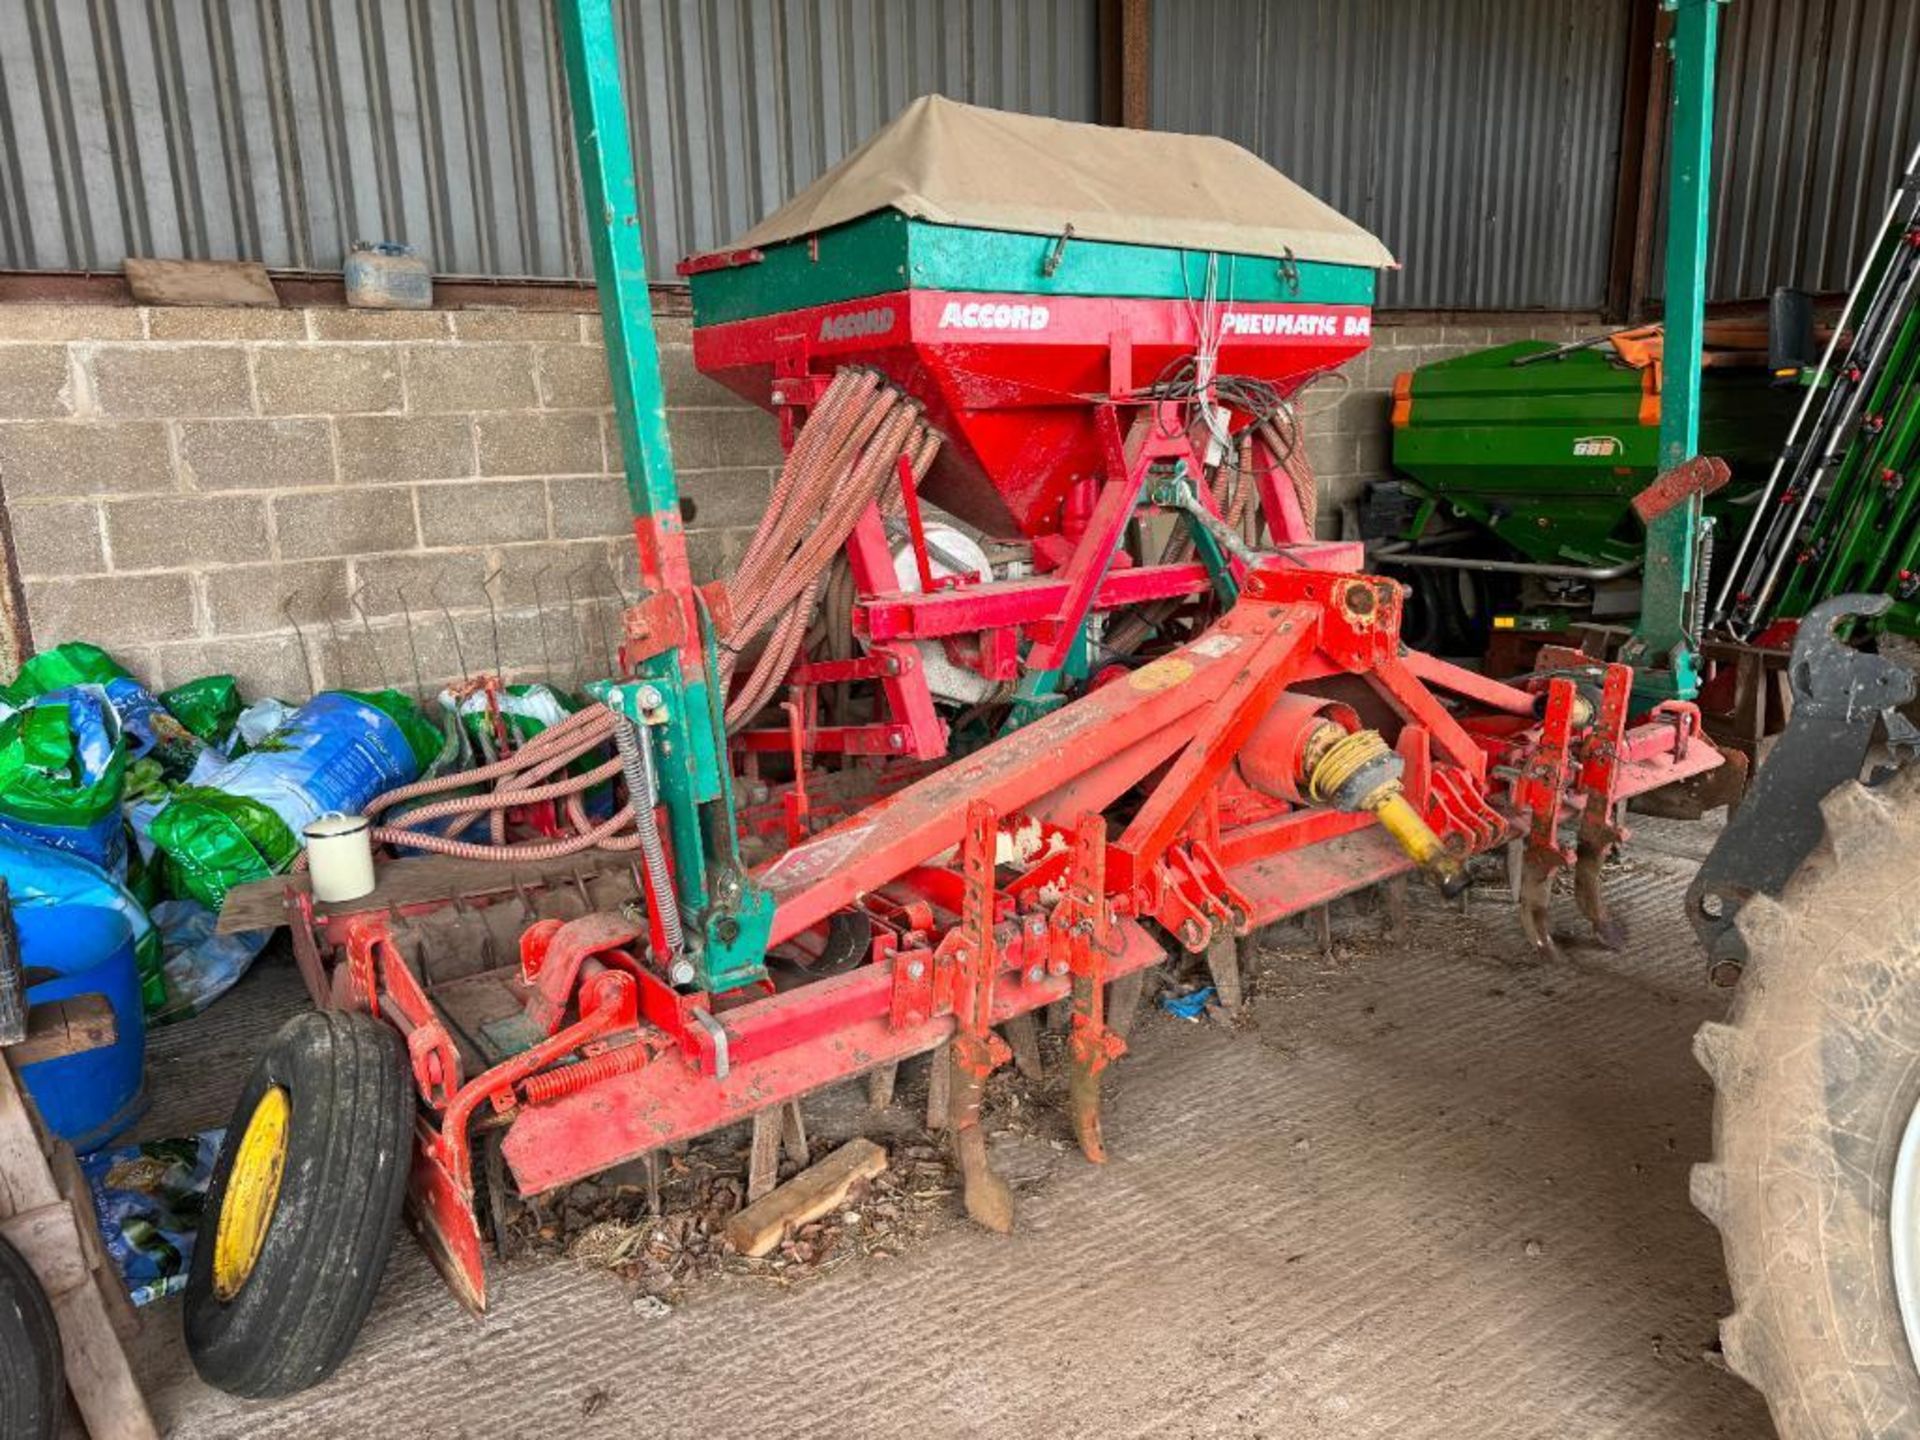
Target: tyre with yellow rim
[{"x": 303, "y": 1207}]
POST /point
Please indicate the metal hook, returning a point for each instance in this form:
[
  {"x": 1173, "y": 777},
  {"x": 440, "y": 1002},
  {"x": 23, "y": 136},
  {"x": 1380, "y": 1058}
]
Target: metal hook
[
  {"x": 573, "y": 633},
  {"x": 453, "y": 632},
  {"x": 413, "y": 650},
  {"x": 306, "y": 655},
  {"x": 333, "y": 630},
  {"x": 493, "y": 612},
  {"x": 540, "y": 618},
  {"x": 366, "y": 630},
  {"x": 600, "y": 614}
]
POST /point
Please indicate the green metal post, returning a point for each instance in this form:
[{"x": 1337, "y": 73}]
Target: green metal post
[
  {"x": 725, "y": 916},
  {"x": 1663, "y": 646}
]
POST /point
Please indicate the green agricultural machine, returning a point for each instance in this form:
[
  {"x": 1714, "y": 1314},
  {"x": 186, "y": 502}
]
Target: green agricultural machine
[{"x": 1521, "y": 464}]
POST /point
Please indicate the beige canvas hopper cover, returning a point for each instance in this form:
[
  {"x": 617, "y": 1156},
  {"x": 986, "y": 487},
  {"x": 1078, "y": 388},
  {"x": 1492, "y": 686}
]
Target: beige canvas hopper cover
[{"x": 955, "y": 164}]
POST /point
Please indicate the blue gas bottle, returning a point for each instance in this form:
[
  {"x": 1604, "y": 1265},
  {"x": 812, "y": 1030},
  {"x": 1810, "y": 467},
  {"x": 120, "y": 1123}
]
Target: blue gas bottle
[{"x": 66, "y": 951}]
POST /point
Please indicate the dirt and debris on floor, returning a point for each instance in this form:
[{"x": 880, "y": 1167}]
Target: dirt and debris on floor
[
  {"x": 666, "y": 1240},
  {"x": 1425, "y": 1188},
  {"x": 668, "y": 1255}
]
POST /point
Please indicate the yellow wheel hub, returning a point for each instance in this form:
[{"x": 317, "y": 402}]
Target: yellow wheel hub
[{"x": 253, "y": 1189}]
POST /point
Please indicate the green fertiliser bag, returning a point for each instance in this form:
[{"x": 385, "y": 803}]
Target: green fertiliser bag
[
  {"x": 242, "y": 819},
  {"x": 207, "y": 706},
  {"x": 62, "y": 773},
  {"x": 525, "y": 711},
  {"x": 422, "y": 735},
  {"x": 75, "y": 663}
]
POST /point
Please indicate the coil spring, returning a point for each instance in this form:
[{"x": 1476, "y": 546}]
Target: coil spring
[
  {"x": 1344, "y": 759},
  {"x": 571, "y": 1079}
]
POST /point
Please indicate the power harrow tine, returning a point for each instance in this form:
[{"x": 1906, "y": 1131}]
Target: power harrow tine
[
  {"x": 1083, "y": 925},
  {"x": 976, "y": 1050},
  {"x": 1596, "y": 844},
  {"x": 1022, "y": 1034},
  {"x": 1536, "y": 892}
]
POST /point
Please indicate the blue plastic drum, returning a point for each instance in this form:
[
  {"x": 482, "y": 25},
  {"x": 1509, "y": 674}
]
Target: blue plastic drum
[{"x": 89, "y": 1098}]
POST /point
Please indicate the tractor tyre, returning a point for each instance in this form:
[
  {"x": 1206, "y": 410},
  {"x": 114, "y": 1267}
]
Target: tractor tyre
[
  {"x": 30, "y": 1361},
  {"x": 303, "y": 1206},
  {"x": 1815, "y": 1181}
]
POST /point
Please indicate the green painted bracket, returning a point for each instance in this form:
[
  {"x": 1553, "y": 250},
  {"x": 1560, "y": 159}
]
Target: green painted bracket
[
  {"x": 1663, "y": 648},
  {"x": 673, "y": 693}
]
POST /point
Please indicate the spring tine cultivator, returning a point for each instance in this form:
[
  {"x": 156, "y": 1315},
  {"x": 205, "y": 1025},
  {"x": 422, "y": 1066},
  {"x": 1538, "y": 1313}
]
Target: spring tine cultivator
[{"x": 1034, "y": 673}]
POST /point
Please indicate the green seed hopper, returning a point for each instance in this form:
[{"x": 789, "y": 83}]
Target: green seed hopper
[{"x": 1547, "y": 451}]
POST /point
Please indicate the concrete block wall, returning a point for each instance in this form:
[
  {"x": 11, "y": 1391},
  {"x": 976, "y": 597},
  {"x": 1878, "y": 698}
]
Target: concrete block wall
[
  {"x": 274, "y": 493},
  {"x": 1346, "y": 415},
  {"x": 318, "y": 497}
]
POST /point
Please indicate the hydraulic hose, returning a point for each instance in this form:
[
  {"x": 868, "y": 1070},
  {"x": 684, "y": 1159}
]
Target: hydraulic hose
[{"x": 519, "y": 779}]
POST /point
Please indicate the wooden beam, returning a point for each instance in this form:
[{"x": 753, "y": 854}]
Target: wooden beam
[
  {"x": 1123, "y": 29},
  {"x": 756, "y": 1230},
  {"x": 66, "y": 1027},
  {"x": 1645, "y": 59},
  {"x": 46, "y": 1213},
  {"x": 1653, "y": 151}
]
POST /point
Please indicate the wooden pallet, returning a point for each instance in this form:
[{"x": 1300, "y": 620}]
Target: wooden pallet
[{"x": 46, "y": 1213}]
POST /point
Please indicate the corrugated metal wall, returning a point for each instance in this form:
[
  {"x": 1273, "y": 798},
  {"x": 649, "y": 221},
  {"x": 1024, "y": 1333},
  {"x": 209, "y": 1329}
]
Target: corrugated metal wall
[
  {"x": 1818, "y": 110},
  {"x": 281, "y": 130},
  {"x": 1478, "y": 138}
]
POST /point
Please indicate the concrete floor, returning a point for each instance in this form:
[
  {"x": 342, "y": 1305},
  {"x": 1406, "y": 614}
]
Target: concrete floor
[{"x": 1427, "y": 1190}]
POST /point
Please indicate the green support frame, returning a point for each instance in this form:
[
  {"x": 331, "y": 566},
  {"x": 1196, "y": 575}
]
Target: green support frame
[
  {"x": 726, "y": 917},
  {"x": 1664, "y": 646}
]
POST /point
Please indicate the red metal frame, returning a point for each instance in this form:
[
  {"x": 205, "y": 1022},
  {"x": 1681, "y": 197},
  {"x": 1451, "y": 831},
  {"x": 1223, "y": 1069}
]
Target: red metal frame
[{"x": 621, "y": 1062}]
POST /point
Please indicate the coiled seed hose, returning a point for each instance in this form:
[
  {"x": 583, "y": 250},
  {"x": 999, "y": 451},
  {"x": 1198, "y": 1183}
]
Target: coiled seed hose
[{"x": 844, "y": 459}]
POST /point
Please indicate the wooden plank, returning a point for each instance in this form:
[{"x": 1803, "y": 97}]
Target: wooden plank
[
  {"x": 763, "y": 1159},
  {"x": 199, "y": 282},
  {"x": 1122, "y": 31},
  {"x": 1644, "y": 57},
  {"x": 415, "y": 880},
  {"x": 66, "y": 1027},
  {"x": 67, "y": 1177},
  {"x": 49, "y": 1242},
  {"x": 758, "y": 1229},
  {"x": 51, "y": 1224},
  {"x": 102, "y": 1382},
  {"x": 25, "y": 1183}
]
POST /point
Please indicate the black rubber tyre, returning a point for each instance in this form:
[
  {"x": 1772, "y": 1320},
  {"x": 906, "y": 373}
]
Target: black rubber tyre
[
  {"x": 1817, "y": 1071},
  {"x": 30, "y": 1369},
  {"x": 348, "y": 1149},
  {"x": 1427, "y": 618}
]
